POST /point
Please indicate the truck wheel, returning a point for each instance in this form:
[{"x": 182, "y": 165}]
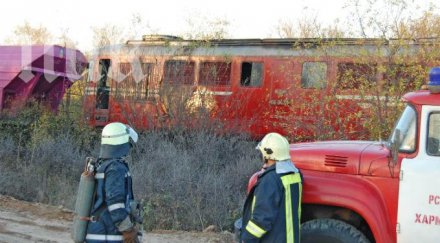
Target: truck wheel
[{"x": 330, "y": 231}]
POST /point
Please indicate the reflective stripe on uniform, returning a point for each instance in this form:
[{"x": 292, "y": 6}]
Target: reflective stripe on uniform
[
  {"x": 102, "y": 175},
  {"x": 300, "y": 200},
  {"x": 116, "y": 206},
  {"x": 291, "y": 179},
  {"x": 254, "y": 229},
  {"x": 253, "y": 204},
  {"x": 288, "y": 180},
  {"x": 104, "y": 237}
]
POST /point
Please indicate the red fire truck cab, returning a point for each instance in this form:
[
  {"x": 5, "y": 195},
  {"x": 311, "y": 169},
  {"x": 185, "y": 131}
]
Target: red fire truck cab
[{"x": 365, "y": 191}]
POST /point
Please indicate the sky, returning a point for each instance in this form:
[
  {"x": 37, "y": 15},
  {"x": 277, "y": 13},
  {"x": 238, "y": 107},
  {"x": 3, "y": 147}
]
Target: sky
[{"x": 248, "y": 18}]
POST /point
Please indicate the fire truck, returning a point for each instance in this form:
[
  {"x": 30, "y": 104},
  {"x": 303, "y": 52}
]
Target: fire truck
[
  {"x": 365, "y": 191},
  {"x": 297, "y": 87}
]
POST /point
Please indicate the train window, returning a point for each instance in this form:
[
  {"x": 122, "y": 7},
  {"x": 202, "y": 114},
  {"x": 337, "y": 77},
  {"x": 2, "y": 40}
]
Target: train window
[
  {"x": 103, "y": 89},
  {"x": 215, "y": 73},
  {"x": 132, "y": 81},
  {"x": 314, "y": 75},
  {"x": 90, "y": 72},
  {"x": 251, "y": 74},
  {"x": 356, "y": 75},
  {"x": 403, "y": 77},
  {"x": 104, "y": 68},
  {"x": 124, "y": 81},
  {"x": 147, "y": 70},
  {"x": 179, "y": 72}
]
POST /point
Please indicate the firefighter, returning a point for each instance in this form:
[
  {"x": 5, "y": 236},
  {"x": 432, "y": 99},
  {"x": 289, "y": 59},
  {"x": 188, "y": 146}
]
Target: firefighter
[
  {"x": 111, "y": 216},
  {"x": 272, "y": 210}
]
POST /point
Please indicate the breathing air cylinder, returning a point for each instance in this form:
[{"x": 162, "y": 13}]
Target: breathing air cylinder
[{"x": 84, "y": 200}]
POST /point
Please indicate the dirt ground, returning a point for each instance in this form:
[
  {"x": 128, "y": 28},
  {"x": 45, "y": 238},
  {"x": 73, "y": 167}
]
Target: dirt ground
[{"x": 33, "y": 222}]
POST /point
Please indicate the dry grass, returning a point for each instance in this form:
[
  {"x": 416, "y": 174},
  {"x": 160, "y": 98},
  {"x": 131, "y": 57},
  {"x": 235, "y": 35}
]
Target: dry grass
[{"x": 186, "y": 179}]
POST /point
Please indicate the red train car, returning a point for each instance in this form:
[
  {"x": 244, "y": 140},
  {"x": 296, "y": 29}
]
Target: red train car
[
  {"x": 297, "y": 87},
  {"x": 41, "y": 73}
]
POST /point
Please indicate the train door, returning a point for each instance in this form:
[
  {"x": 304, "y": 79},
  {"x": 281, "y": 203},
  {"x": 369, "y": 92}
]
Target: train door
[
  {"x": 103, "y": 93},
  {"x": 310, "y": 101},
  {"x": 283, "y": 89},
  {"x": 250, "y": 100}
]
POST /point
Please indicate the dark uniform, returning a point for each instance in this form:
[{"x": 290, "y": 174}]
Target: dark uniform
[
  {"x": 111, "y": 206},
  {"x": 272, "y": 210}
]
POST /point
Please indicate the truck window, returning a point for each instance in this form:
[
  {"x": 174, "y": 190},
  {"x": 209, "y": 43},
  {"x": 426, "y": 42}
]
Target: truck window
[
  {"x": 251, "y": 74},
  {"x": 433, "y": 135},
  {"x": 407, "y": 125},
  {"x": 215, "y": 73},
  {"x": 314, "y": 75}
]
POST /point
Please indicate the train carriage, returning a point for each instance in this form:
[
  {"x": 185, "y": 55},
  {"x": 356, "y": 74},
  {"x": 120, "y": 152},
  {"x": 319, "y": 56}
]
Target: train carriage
[{"x": 297, "y": 87}]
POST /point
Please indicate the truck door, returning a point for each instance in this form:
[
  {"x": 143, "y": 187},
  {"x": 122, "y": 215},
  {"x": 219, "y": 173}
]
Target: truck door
[{"x": 419, "y": 193}]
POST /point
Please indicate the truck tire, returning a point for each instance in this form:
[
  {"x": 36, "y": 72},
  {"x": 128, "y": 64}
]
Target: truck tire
[{"x": 330, "y": 231}]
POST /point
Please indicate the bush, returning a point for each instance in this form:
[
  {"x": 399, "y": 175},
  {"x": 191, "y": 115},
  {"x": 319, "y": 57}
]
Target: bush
[
  {"x": 42, "y": 155},
  {"x": 186, "y": 179},
  {"x": 45, "y": 172},
  {"x": 191, "y": 180}
]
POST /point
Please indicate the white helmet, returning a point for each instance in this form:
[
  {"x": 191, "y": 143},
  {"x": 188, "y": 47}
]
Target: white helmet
[
  {"x": 115, "y": 140},
  {"x": 274, "y": 147},
  {"x": 118, "y": 133}
]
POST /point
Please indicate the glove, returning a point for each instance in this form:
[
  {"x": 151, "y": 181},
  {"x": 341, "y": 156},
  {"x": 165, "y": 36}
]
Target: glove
[{"x": 130, "y": 236}]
